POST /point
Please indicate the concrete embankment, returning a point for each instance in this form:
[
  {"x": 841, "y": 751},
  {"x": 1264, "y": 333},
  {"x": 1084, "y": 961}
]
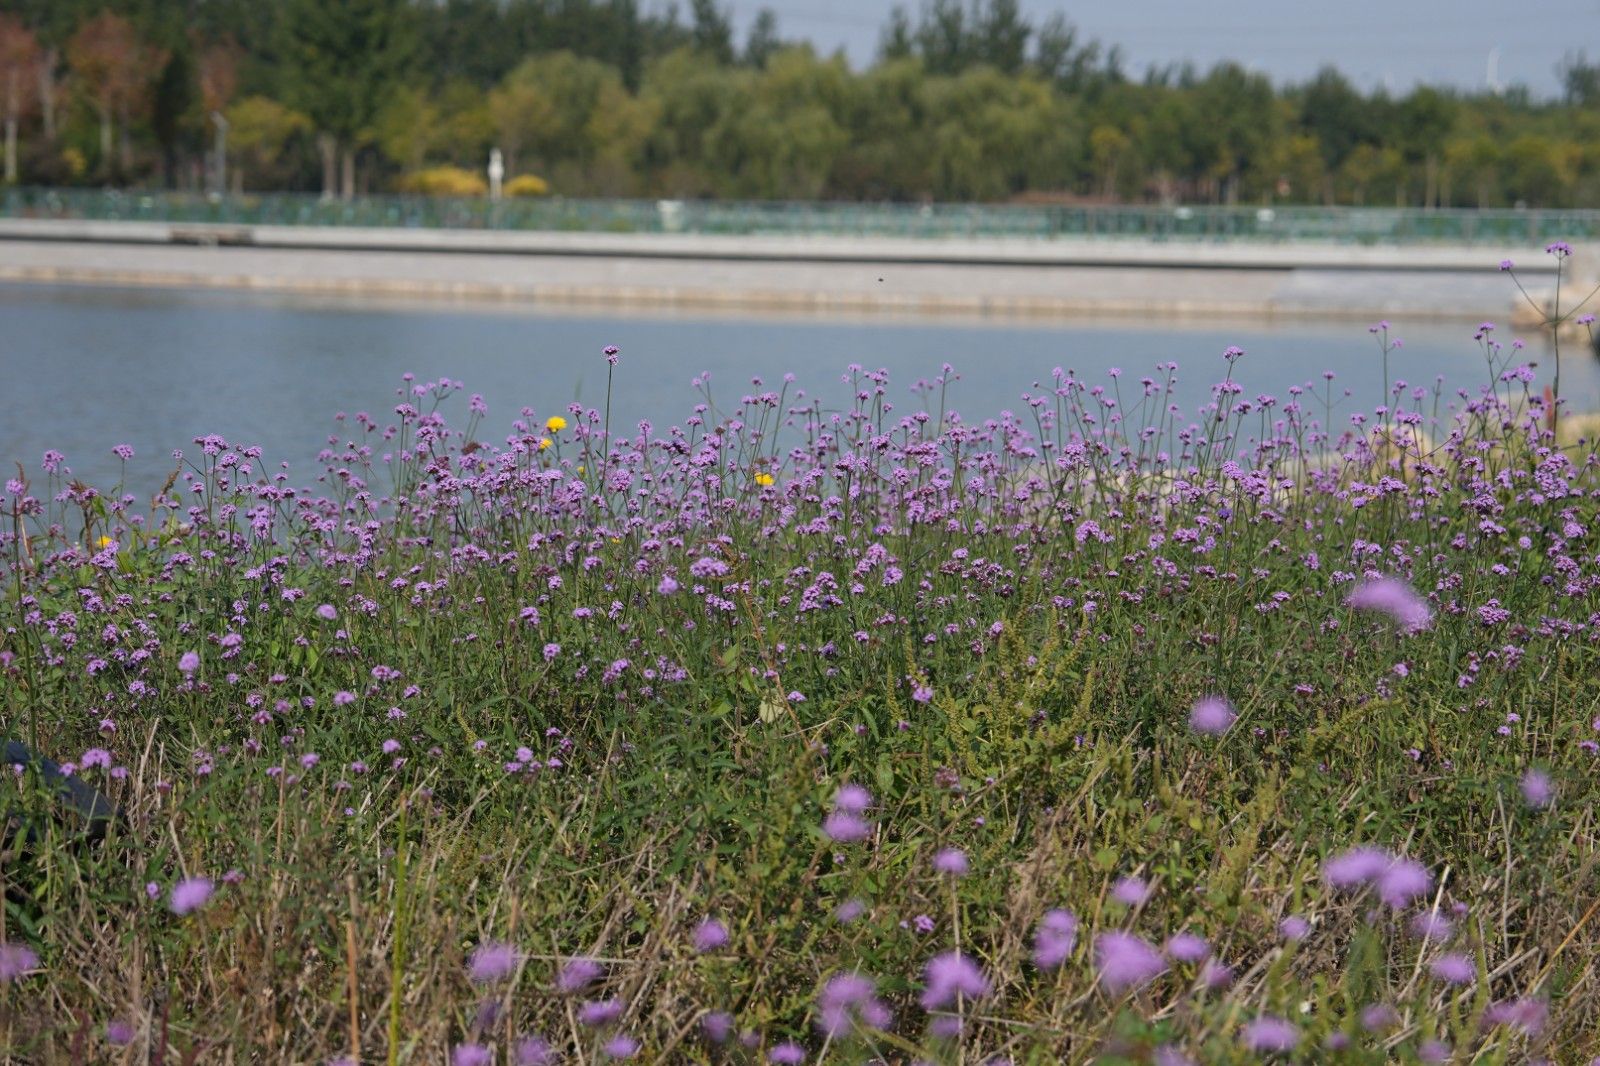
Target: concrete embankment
[{"x": 1018, "y": 277}]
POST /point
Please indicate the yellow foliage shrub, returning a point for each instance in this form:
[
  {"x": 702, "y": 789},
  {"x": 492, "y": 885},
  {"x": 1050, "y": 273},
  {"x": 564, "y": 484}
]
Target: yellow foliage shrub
[
  {"x": 527, "y": 185},
  {"x": 444, "y": 181}
]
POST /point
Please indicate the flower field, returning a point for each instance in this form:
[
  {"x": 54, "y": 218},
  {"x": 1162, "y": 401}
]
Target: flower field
[{"x": 1095, "y": 730}]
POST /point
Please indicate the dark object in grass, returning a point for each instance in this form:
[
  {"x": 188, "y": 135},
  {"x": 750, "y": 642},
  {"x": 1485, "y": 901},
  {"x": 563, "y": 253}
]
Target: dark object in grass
[{"x": 75, "y": 803}]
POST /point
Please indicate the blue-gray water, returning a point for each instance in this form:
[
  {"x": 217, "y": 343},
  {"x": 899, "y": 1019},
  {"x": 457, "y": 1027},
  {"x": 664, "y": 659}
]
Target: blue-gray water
[{"x": 88, "y": 368}]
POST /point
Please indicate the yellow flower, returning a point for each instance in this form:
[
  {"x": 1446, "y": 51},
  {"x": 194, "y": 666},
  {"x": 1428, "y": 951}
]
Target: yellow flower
[
  {"x": 555, "y": 423},
  {"x": 544, "y": 442},
  {"x": 764, "y": 479}
]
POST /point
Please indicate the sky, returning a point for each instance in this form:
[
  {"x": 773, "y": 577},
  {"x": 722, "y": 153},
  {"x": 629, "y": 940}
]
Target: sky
[{"x": 1393, "y": 43}]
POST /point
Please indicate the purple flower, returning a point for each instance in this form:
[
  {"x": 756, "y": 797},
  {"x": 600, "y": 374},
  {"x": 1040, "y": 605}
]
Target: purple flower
[
  {"x": 532, "y": 1051},
  {"x": 611, "y": 351},
  {"x": 1403, "y": 881},
  {"x": 1395, "y": 598},
  {"x": 1130, "y": 891},
  {"x": 1505, "y": 264},
  {"x": 1294, "y": 928},
  {"x": 327, "y": 612},
  {"x": 1126, "y": 961},
  {"x": 667, "y": 586},
  {"x": 1358, "y": 866},
  {"x": 577, "y": 975},
  {"x": 600, "y": 1012},
  {"x": 491, "y": 962},
  {"x": 1537, "y": 790},
  {"x": 710, "y": 935},
  {"x": 1434, "y": 1053},
  {"x": 1454, "y": 969},
  {"x": 1268, "y": 1034},
  {"x": 852, "y": 799},
  {"x": 787, "y": 1054},
  {"x": 921, "y": 693},
  {"x": 1188, "y": 947},
  {"x": 1215, "y": 975},
  {"x": 1377, "y": 1017},
  {"x": 1529, "y": 1015},
  {"x": 471, "y": 1055},
  {"x": 1054, "y": 939},
  {"x": 717, "y": 1026},
  {"x": 1431, "y": 925},
  {"x": 1211, "y": 715},
  {"x": 1232, "y": 352},
  {"x": 951, "y": 861},
  {"x": 621, "y": 1046},
  {"x": 189, "y": 662},
  {"x": 950, "y": 977},
  {"x": 119, "y": 1033},
  {"x": 845, "y": 828},
  {"x": 190, "y": 895},
  {"x": 849, "y": 910},
  {"x": 1167, "y": 1055},
  {"x": 849, "y": 999},
  {"x": 16, "y": 960}
]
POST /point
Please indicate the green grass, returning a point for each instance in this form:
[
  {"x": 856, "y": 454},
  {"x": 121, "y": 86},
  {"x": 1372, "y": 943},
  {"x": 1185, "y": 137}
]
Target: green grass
[{"x": 1054, "y": 752}]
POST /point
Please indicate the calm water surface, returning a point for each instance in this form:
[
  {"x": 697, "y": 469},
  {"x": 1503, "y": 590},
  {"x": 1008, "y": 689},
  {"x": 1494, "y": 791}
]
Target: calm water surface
[{"x": 89, "y": 368}]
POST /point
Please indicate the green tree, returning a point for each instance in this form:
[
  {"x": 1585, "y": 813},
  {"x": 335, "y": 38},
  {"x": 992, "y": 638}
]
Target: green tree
[
  {"x": 20, "y": 58},
  {"x": 342, "y": 61},
  {"x": 262, "y": 134}
]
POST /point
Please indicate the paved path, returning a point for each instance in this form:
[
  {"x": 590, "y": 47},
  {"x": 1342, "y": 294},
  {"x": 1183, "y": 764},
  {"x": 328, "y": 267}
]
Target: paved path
[{"x": 1012, "y": 278}]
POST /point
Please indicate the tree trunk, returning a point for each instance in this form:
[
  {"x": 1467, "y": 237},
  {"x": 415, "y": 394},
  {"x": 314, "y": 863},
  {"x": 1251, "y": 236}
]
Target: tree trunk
[
  {"x": 124, "y": 144},
  {"x": 347, "y": 176},
  {"x": 11, "y": 149},
  {"x": 47, "y": 92},
  {"x": 105, "y": 139},
  {"x": 329, "y": 147}
]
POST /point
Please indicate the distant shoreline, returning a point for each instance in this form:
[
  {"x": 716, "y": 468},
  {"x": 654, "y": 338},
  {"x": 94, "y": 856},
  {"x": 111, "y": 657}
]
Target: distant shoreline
[{"x": 987, "y": 278}]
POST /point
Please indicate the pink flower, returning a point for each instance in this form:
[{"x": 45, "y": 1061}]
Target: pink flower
[
  {"x": 1212, "y": 716},
  {"x": 190, "y": 895},
  {"x": 710, "y": 935},
  {"x": 1395, "y": 598},
  {"x": 16, "y": 960},
  {"x": 952, "y": 976},
  {"x": 1268, "y": 1033},
  {"x": 1054, "y": 939},
  {"x": 491, "y": 962},
  {"x": 1126, "y": 961},
  {"x": 1537, "y": 790}
]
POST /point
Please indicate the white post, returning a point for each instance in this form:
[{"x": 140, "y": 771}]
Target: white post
[
  {"x": 221, "y": 150},
  {"x": 497, "y": 173}
]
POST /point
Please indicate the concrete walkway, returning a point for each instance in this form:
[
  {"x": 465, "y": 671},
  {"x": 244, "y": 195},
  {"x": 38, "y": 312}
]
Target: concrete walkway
[{"x": 1061, "y": 278}]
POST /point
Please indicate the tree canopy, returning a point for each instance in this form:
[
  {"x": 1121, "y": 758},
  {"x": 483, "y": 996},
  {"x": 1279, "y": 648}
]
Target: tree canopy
[{"x": 966, "y": 100}]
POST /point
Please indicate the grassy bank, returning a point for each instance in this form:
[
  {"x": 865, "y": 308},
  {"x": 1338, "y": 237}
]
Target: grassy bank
[{"x": 825, "y": 735}]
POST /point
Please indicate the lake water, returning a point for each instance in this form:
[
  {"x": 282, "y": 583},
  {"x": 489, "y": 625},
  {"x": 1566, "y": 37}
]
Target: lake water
[{"x": 88, "y": 368}]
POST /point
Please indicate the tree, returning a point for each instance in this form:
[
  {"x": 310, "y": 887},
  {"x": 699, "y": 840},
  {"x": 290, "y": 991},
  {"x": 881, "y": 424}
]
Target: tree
[
  {"x": 20, "y": 58},
  {"x": 172, "y": 108},
  {"x": 713, "y": 34},
  {"x": 763, "y": 40},
  {"x": 895, "y": 42},
  {"x": 114, "y": 67},
  {"x": 342, "y": 60},
  {"x": 1424, "y": 119},
  {"x": 262, "y": 131},
  {"x": 564, "y": 111}
]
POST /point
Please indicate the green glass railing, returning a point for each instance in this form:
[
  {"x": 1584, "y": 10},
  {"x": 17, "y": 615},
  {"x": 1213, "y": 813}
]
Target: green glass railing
[{"x": 1346, "y": 225}]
